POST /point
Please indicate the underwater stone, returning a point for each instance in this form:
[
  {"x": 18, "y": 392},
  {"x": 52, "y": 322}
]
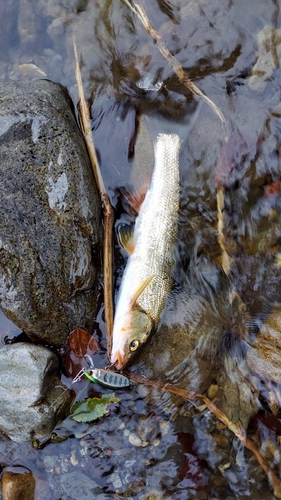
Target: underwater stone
[
  {"x": 49, "y": 214},
  {"x": 32, "y": 398},
  {"x": 18, "y": 483},
  {"x": 77, "y": 485}
]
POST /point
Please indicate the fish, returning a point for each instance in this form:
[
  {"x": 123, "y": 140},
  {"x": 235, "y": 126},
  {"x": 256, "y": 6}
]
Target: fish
[{"x": 147, "y": 278}]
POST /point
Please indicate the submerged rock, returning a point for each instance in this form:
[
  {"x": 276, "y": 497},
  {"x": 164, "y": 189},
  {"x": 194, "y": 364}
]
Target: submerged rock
[
  {"x": 49, "y": 214},
  {"x": 201, "y": 340},
  {"x": 32, "y": 398},
  {"x": 76, "y": 484},
  {"x": 17, "y": 483},
  {"x": 268, "y": 55}
]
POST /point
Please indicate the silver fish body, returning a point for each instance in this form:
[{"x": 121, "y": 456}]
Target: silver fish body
[{"x": 147, "y": 278}]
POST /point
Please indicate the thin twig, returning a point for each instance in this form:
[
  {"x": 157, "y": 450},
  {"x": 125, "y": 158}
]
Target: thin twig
[
  {"x": 226, "y": 260},
  {"x": 177, "y": 68},
  {"x": 237, "y": 429},
  {"x": 84, "y": 116}
]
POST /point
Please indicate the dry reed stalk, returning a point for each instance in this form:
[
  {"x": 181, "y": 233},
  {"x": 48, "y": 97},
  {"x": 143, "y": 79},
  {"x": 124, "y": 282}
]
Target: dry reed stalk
[
  {"x": 225, "y": 258},
  {"x": 108, "y": 214}
]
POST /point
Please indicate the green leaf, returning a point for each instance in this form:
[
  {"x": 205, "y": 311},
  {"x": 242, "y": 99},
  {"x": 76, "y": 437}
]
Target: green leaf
[{"x": 92, "y": 408}]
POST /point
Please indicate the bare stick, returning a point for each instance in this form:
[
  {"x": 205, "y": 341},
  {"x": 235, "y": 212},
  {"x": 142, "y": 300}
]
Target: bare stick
[
  {"x": 226, "y": 260},
  {"x": 181, "y": 74},
  {"x": 237, "y": 429},
  {"x": 84, "y": 116}
]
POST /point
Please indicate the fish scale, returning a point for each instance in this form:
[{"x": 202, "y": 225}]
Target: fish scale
[
  {"x": 153, "y": 258},
  {"x": 156, "y": 231}
]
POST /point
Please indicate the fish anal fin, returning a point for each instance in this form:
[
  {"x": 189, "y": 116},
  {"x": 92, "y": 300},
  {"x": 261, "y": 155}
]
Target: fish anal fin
[
  {"x": 126, "y": 237},
  {"x": 140, "y": 290}
]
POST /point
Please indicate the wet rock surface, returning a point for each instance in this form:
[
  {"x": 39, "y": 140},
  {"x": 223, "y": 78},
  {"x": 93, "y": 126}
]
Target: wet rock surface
[
  {"x": 77, "y": 484},
  {"x": 18, "y": 483},
  {"x": 30, "y": 392},
  {"x": 49, "y": 214}
]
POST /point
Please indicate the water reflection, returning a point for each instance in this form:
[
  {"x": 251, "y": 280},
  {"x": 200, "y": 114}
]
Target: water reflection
[
  {"x": 231, "y": 49},
  {"x": 7, "y": 329}
]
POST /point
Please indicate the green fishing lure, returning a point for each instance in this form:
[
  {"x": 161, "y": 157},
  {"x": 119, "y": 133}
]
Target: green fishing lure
[{"x": 106, "y": 378}]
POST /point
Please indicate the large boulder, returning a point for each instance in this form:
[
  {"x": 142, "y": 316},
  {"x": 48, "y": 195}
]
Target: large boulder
[
  {"x": 32, "y": 398},
  {"x": 49, "y": 214}
]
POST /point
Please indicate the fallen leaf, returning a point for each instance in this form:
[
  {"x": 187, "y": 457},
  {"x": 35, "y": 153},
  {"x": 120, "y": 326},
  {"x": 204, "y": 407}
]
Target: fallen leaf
[
  {"x": 194, "y": 470},
  {"x": 78, "y": 343},
  {"x": 92, "y": 408}
]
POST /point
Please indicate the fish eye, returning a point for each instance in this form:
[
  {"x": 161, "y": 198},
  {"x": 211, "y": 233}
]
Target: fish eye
[{"x": 134, "y": 345}]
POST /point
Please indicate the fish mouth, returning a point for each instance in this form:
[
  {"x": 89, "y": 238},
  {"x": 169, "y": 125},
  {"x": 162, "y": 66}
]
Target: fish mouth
[{"x": 117, "y": 360}]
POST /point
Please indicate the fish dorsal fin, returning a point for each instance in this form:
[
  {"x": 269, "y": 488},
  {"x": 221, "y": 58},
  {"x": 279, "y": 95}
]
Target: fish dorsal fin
[
  {"x": 139, "y": 290},
  {"x": 126, "y": 238}
]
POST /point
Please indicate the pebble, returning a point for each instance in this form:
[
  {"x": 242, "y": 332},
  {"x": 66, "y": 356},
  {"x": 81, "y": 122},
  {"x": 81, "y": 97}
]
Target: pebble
[
  {"x": 164, "y": 427},
  {"x": 155, "y": 442},
  {"x": 152, "y": 496},
  {"x": 129, "y": 463},
  {"x": 115, "y": 481},
  {"x": 135, "y": 440},
  {"x": 148, "y": 428},
  {"x": 64, "y": 467},
  {"x": 73, "y": 459},
  {"x": 212, "y": 391},
  {"x": 16, "y": 486},
  {"x": 50, "y": 462}
]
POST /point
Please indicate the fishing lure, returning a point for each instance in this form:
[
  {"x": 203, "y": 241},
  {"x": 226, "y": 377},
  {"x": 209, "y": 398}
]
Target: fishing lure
[{"x": 106, "y": 378}]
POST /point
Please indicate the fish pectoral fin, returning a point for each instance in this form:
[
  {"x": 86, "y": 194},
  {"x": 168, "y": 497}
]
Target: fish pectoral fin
[
  {"x": 136, "y": 196},
  {"x": 139, "y": 290},
  {"x": 126, "y": 237}
]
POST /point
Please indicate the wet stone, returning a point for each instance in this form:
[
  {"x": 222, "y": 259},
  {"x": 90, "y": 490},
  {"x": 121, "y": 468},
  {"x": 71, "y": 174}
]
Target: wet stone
[
  {"x": 49, "y": 214},
  {"x": 30, "y": 392},
  {"x": 135, "y": 440},
  {"x": 50, "y": 462},
  {"x": 18, "y": 484}
]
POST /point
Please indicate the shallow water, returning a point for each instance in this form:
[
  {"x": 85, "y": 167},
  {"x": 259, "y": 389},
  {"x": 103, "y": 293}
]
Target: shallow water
[{"x": 231, "y": 50}]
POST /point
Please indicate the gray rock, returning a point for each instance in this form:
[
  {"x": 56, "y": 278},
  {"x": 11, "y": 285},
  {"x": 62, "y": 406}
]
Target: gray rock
[
  {"x": 32, "y": 398},
  {"x": 49, "y": 214}
]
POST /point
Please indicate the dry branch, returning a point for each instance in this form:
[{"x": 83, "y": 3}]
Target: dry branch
[
  {"x": 85, "y": 123},
  {"x": 237, "y": 429},
  {"x": 225, "y": 258}
]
